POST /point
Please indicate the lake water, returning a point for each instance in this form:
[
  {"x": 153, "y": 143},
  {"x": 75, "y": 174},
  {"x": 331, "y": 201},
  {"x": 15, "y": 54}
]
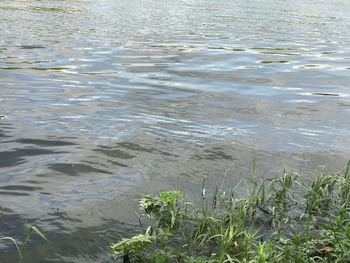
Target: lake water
[{"x": 106, "y": 100}]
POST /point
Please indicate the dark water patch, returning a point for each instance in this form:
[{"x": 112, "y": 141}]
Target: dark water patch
[
  {"x": 13, "y": 193},
  {"x": 213, "y": 154},
  {"x": 142, "y": 148},
  {"x": 118, "y": 163},
  {"x": 58, "y": 220},
  {"x": 33, "y": 182},
  {"x": 136, "y": 147},
  {"x": 7, "y": 126},
  {"x": 5, "y": 130},
  {"x": 16, "y": 156},
  {"x": 311, "y": 66},
  {"x": 45, "y": 143},
  {"x": 21, "y": 188},
  {"x": 259, "y": 80},
  {"x": 273, "y": 61},
  {"x": 325, "y": 94},
  {"x": 115, "y": 153},
  {"x": 75, "y": 169},
  {"x": 329, "y": 52},
  {"x": 3, "y": 134},
  {"x": 63, "y": 215},
  {"x": 10, "y": 223},
  {"x": 31, "y": 47}
]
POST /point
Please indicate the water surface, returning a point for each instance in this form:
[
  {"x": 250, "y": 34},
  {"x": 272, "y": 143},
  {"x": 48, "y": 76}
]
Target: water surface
[{"x": 105, "y": 100}]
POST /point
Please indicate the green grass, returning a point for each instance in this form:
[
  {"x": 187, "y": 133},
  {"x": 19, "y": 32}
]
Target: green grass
[
  {"x": 21, "y": 244},
  {"x": 285, "y": 219}
]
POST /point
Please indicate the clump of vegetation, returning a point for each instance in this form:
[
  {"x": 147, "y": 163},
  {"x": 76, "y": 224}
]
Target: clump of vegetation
[
  {"x": 285, "y": 219},
  {"x": 21, "y": 244},
  {"x": 128, "y": 246}
]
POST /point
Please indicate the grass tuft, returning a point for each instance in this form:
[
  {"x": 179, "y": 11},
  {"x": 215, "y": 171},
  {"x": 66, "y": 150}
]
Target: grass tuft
[{"x": 272, "y": 222}]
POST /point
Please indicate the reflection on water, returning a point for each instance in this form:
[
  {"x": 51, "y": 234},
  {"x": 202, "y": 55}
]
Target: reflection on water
[{"x": 97, "y": 106}]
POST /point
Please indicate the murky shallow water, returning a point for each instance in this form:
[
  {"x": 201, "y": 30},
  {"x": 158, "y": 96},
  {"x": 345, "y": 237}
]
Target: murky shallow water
[{"x": 109, "y": 99}]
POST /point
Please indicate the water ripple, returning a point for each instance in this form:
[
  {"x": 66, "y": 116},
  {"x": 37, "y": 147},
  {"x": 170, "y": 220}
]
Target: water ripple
[{"x": 96, "y": 104}]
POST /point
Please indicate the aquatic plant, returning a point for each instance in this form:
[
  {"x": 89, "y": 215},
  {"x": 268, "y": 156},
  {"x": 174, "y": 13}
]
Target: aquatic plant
[
  {"x": 20, "y": 245},
  {"x": 284, "y": 219},
  {"x": 164, "y": 208},
  {"x": 134, "y": 244}
]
